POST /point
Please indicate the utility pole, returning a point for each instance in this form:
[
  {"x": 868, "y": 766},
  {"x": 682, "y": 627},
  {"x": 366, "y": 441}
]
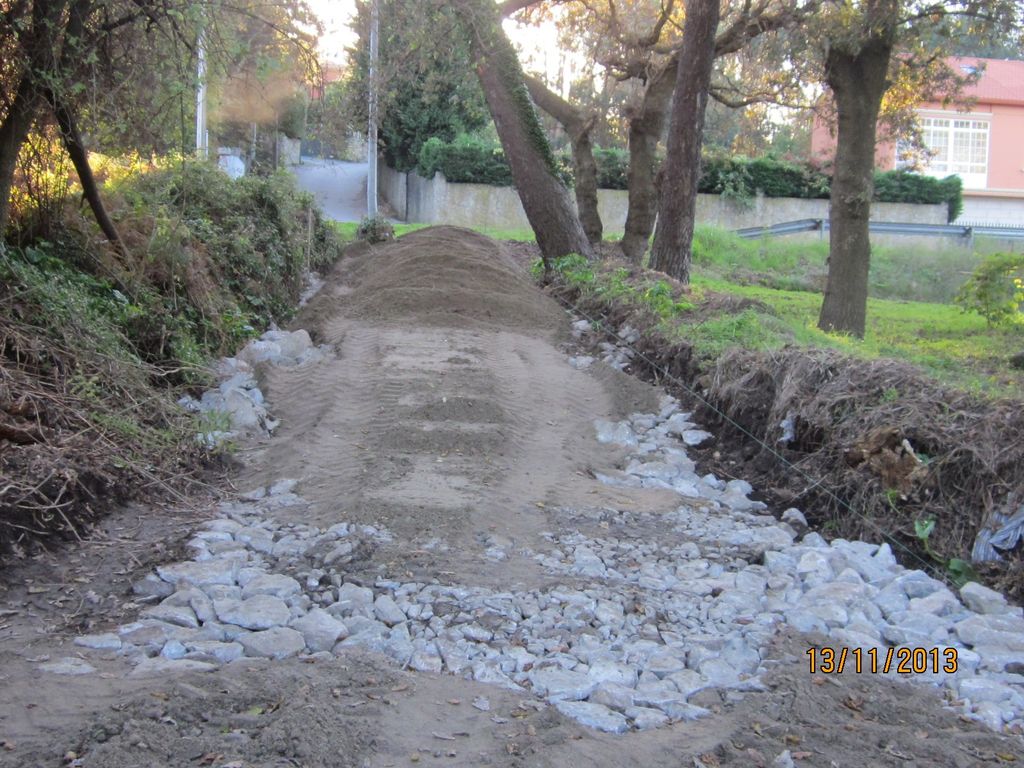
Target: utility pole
[
  {"x": 371, "y": 149},
  {"x": 202, "y": 136}
]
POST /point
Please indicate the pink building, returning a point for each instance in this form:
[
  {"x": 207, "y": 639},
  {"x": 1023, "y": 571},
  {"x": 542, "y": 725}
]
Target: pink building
[{"x": 984, "y": 144}]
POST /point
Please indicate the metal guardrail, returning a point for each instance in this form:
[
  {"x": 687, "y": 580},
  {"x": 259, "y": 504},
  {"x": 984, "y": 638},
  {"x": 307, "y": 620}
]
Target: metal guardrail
[{"x": 886, "y": 227}]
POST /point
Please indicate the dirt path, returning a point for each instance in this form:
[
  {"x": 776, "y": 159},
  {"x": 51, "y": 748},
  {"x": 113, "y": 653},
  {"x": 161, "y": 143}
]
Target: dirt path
[{"x": 449, "y": 417}]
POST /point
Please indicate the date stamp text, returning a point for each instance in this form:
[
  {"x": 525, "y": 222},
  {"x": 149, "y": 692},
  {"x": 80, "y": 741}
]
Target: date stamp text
[{"x": 903, "y": 660}]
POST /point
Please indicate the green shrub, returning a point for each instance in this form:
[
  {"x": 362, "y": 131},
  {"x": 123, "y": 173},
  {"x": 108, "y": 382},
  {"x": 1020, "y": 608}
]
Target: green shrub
[
  {"x": 996, "y": 289},
  {"x": 471, "y": 160},
  {"x": 375, "y": 229},
  {"x": 906, "y": 187},
  {"x": 466, "y": 160},
  {"x": 741, "y": 178}
]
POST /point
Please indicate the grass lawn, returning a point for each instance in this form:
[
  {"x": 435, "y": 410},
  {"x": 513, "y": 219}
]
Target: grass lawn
[{"x": 956, "y": 347}]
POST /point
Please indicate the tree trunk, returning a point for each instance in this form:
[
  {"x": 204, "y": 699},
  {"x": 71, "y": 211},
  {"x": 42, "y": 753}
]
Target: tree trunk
[
  {"x": 645, "y": 131},
  {"x": 584, "y": 166},
  {"x": 678, "y": 208},
  {"x": 545, "y": 199},
  {"x": 13, "y": 133},
  {"x": 858, "y": 82},
  {"x": 586, "y": 186},
  {"x": 80, "y": 157},
  {"x": 41, "y": 60}
]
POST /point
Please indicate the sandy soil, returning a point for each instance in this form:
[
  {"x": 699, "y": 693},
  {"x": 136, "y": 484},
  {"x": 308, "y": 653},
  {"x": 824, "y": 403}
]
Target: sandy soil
[{"x": 449, "y": 415}]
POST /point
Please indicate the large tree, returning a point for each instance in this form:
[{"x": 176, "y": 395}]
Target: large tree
[
  {"x": 578, "y": 125},
  {"x": 638, "y": 43},
  {"x": 427, "y": 84},
  {"x": 868, "y": 48},
  {"x": 856, "y": 70},
  {"x": 544, "y": 197},
  {"x": 97, "y": 69}
]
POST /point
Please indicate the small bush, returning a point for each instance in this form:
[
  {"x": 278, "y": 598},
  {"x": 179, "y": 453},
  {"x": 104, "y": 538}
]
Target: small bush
[
  {"x": 741, "y": 178},
  {"x": 375, "y": 229},
  {"x": 996, "y": 289}
]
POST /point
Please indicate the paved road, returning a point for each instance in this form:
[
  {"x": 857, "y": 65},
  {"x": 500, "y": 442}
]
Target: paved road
[{"x": 339, "y": 187}]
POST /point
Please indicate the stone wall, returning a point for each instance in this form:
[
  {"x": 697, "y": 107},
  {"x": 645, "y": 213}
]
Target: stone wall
[
  {"x": 289, "y": 151},
  {"x": 437, "y": 201}
]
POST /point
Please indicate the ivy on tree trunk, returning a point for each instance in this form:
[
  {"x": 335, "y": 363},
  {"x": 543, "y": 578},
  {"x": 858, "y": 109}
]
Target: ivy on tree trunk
[
  {"x": 578, "y": 126},
  {"x": 545, "y": 199}
]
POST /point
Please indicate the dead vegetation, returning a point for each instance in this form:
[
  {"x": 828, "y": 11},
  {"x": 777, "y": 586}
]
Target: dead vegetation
[
  {"x": 97, "y": 344},
  {"x": 69, "y": 450}
]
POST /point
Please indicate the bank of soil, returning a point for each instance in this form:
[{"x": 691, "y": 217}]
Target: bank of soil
[
  {"x": 449, "y": 416},
  {"x": 866, "y": 448}
]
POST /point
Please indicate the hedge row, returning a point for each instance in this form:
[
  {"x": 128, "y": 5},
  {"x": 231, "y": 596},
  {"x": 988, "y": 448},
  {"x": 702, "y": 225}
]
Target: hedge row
[{"x": 475, "y": 161}]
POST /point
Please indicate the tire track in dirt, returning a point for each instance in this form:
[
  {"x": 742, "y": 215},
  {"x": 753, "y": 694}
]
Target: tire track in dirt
[{"x": 447, "y": 415}]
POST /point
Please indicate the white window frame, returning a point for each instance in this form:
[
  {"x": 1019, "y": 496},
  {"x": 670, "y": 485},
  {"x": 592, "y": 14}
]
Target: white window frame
[{"x": 958, "y": 143}]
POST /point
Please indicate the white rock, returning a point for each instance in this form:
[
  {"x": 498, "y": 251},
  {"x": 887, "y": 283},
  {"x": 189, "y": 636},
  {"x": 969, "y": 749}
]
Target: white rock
[
  {"x": 613, "y": 695},
  {"x": 274, "y": 643},
  {"x": 221, "y": 652},
  {"x": 795, "y": 517},
  {"x": 678, "y": 424},
  {"x": 694, "y": 437},
  {"x": 320, "y": 630},
  {"x": 607, "y": 671},
  {"x": 259, "y": 612},
  {"x": 425, "y": 661},
  {"x": 646, "y": 718},
  {"x": 274, "y": 584},
  {"x": 158, "y": 666},
  {"x": 388, "y": 611},
  {"x": 991, "y": 630},
  {"x": 593, "y": 716},
  {"x": 69, "y": 665},
  {"x": 107, "y": 641},
  {"x": 979, "y": 689},
  {"x": 217, "y": 571},
  {"x": 615, "y": 432},
  {"x": 981, "y": 599},
  {"x": 179, "y": 615},
  {"x": 677, "y": 709},
  {"x": 561, "y": 684},
  {"x": 989, "y": 714}
]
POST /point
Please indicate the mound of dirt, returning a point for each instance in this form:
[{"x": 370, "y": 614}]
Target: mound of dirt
[{"x": 447, "y": 276}]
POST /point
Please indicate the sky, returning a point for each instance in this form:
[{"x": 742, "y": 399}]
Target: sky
[
  {"x": 538, "y": 46},
  {"x": 335, "y": 15}
]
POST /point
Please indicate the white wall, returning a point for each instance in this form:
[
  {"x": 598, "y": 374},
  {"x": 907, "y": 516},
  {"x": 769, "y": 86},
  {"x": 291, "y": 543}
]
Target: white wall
[
  {"x": 436, "y": 201},
  {"x": 992, "y": 211}
]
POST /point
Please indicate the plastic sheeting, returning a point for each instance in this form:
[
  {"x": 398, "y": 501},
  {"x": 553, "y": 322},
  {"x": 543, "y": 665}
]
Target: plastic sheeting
[{"x": 1002, "y": 532}]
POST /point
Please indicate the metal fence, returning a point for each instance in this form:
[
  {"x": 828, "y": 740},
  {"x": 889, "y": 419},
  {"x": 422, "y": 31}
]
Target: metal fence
[{"x": 967, "y": 233}]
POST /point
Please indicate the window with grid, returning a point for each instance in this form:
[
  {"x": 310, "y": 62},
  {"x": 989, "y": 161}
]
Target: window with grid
[{"x": 957, "y": 146}]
